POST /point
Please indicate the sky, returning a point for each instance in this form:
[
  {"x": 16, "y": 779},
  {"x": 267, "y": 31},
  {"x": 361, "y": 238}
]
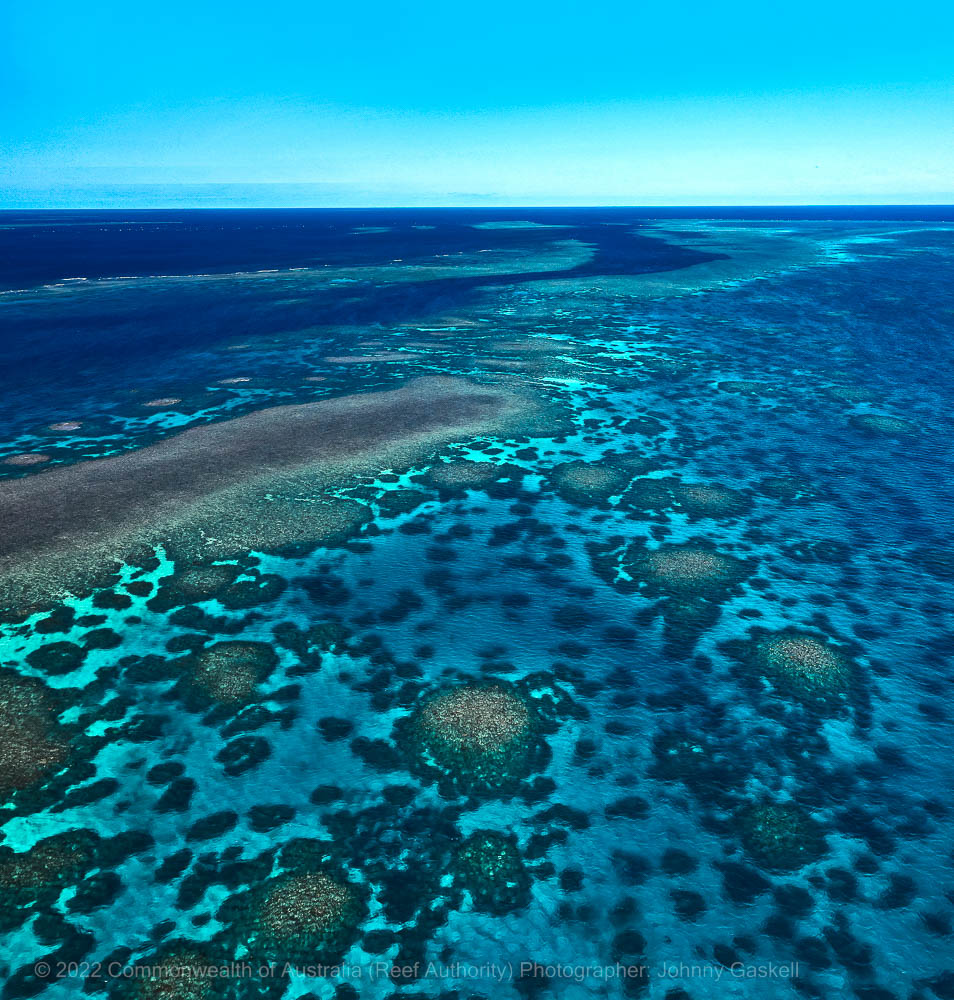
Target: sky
[{"x": 499, "y": 103}]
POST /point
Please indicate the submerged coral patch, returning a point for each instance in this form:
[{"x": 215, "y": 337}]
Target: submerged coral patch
[
  {"x": 684, "y": 570},
  {"x": 789, "y": 489},
  {"x": 55, "y": 658},
  {"x": 882, "y": 423},
  {"x": 585, "y": 483},
  {"x": 180, "y": 971},
  {"x": 367, "y": 359},
  {"x": 31, "y": 742},
  {"x": 534, "y": 345},
  {"x": 229, "y": 672},
  {"x": 745, "y": 387},
  {"x": 45, "y": 868},
  {"x": 695, "y": 500},
  {"x": 476, "y": 719},
  {"x": 490, "y": 867},
  {"x": 780, "y": 836},
  {"x": 463, "y": 474},
  {"x": 302, "y": 907},
  {"x": 163, "y": 402},
  {"x": 304, "y": 916},
  {"x": 849, "y": 393},
  {"x": 26, "y": 459},
  {"x": 457, "y": 476},
  {"x": 805, "y": 665},
  {"x": 476, "y": 737},
  {"x": 232, "y": 584},
  {"x": 198, "y": 583},
  {"x": 820, "y": 550},
  {"x": 700, "y": 500},
  {"x": 691, "y": 581}
]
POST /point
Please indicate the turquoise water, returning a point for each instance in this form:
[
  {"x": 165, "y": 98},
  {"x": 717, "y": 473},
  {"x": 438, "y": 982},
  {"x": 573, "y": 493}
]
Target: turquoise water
[{"x": 710, "y": 589}]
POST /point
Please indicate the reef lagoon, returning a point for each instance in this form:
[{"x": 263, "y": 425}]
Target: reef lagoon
[{"x": 477, "y": 604}]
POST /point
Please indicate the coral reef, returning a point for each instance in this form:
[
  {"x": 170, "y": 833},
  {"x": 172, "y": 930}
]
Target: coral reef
[
  {"x": 490, "y": 867},
  {"x": 233, "y": 584},
  {"x": 366, "y": 359},
  {"x": 595, "y": 483},
  {"x": 695, "y": 500},
  {"x": 264, "y": 481},
  {"x": 684, "y": 570},
  {"x": 805, "y": 664},
  {"x": 459, "y": 475},
  {"x": 745, "y": 387},
  {"x": 199, "y": 582},
  {"x": 780, "y": 836},
  {"x": 690, "y": 580},
  {"x": 534, "y": 345},
  {"x": 849, "y": 393},
  {"x": 311, "y": 913},
  {"x": 178, "y": 972},
  {"x": 713, "y": 500},
  {"x": 26, "y": 459},
  {"x": 306, "y": 914},
  {"x": 589, "y": 483},
  {"x": 40, "y": 873},
  {"x": 477, "y": 720},
  {"x": 476, "y": 737},
  {"x": 31, "y": 744},
  {"x": 789, "y": 489},
  {"x": 882, "y": 423},
  {"x": 229, "y": 672}
]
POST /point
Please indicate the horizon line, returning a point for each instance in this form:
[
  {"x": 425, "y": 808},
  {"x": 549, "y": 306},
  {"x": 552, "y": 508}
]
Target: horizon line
[{"x": 478, "y": 207}]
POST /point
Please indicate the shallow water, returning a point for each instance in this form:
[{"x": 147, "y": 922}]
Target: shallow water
[{"x": 742, "y": 439}]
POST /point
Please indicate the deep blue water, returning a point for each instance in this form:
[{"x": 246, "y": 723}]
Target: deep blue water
[
  {"x": 762, "y": 391},
  {"x": 39, "y": 247}
]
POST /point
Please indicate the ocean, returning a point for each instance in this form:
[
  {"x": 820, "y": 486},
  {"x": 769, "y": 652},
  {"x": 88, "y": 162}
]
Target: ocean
[{"x": 477, "y": 603}]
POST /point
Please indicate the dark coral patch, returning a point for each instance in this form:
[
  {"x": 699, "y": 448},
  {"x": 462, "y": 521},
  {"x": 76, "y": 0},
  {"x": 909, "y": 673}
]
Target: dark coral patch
[
  {"x": 56, "y": 658},
  {"x": 780, "y": 836},
  {"x": 458, "y": 475},
  {"x": 802, "y": 665},
  {"x": 882, "y": 424},
  {"x": 231, "y": 584},
  {"x": 228, "y": 673},
  {"x": 691, "y": 579},
  {"x": 40, "y": 874},
  {"x": 178, "y": 971},
  {"x": 310, "y": 913},
  {"x": 593, "y": 483},
  {"x": 694, "y": 569},
  {"x": 32, "y": 743},
  {"x": 490, "y": 867},
  {"x": 479, "y": 738},
  {"x": 713, "y": 500}
]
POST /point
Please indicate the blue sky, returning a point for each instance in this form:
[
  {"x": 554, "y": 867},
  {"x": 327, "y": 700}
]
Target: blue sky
[{"x": 493, "y": 103}]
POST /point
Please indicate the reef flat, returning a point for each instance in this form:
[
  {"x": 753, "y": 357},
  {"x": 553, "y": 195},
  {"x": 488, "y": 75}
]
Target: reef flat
[{"x": 63, "y": 526}]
